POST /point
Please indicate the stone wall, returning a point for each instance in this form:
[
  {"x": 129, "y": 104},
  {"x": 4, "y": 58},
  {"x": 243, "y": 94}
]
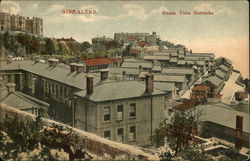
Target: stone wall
[{"x": 94, "y": 144}]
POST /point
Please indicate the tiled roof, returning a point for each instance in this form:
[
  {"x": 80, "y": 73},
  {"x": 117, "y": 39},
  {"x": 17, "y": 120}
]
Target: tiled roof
[
  {"x": 177, "y": 71},
  {"x": 173, "y": 59},
  {"x": 220, "y": 74},
  {"x": 161, "y": 53},
  {"x": 214, "y": 80},
  {"x": 97, "y": 61},
  {"x": 211, "y": 55},
  {"x": 16, "y": 100},
  {"x": 117, "y": 60},
  {"x": 225, "y": 68},
  {"x": 197, "y": 95},
  {"x": 134, "y": 51},
  {"x": 59, "y": 74},
  {"x": 156, "y": 68},
  {"x": 201, "y": 88},
  {"x": 164, "y": 86},
  {"x": 136, "y": 65},
  {"x": 119, "y": 70},
  {"x": 115, "y": 91},
  {"x": 169, "y": 78},
  {"x": 156, "y": 57},
  {"x": 187, "y": 105},
  {"x": 181, "y": 62}
]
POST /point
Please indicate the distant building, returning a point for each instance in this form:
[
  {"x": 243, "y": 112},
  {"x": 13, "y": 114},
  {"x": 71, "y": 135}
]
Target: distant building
[
  {"x": 13, "y": 22},
  {"x": 103, "y": 43},
  {"x": 126, "y": 37},
  {"x": 152, "y": 39}
]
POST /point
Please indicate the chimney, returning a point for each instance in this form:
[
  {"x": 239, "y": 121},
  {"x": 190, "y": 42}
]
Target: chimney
[
  {"x": 90, "y": 84},
  {"x": 53, "y": 62},
  {"x": 79, "y": 68},
  {"x": 238, "y": 131},
  {"x": 149, "y": 83},
  {"x": 11, "y": 87},
  {"x": 72, "y": 67},
  {"x": 191, "y": 51},
  {"x": 104, "y": 74}
]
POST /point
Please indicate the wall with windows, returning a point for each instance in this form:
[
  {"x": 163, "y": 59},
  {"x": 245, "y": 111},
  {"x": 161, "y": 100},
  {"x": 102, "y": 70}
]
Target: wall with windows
[{"x": 129, "y": 120}]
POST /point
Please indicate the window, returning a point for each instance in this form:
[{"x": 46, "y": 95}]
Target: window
[
  {"x": 132, "y": 110},
  {"x": 106, "y": 113},
  {"x": 107, "y": 134},
  {"x": 132, "y": 133},
  {"x": 119, "y": 112},
  {"x": 120, "y": 135}
]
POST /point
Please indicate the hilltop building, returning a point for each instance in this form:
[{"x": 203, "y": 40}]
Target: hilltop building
[{"x": 11, "y": 22}]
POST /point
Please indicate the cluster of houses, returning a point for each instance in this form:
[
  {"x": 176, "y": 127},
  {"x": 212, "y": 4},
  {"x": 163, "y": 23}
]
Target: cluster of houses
[{"x": 121, "y": 97}]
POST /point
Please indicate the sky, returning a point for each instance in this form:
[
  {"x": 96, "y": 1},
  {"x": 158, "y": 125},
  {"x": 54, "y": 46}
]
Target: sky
[{"x": 225, "y": 33}]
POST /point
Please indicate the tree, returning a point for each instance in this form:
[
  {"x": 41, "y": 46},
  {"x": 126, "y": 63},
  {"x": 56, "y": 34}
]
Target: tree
[
  {"x": 84, "y": 46},
  {"x": 177, "y": 132}
]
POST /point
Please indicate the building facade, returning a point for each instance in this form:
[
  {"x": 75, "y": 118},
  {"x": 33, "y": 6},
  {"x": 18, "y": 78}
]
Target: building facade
[{"x": 13, "y": 22}]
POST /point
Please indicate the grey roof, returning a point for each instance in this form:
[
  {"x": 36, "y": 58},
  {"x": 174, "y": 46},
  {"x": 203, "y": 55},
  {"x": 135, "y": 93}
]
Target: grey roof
[
  {"x": 190, "y": 62},
  {"x": 174, "y": 54},
  {"x": 16, "y": 100},
  {"x": 214, "y": 80},
  {"x": 200, "y": 62},
  {"x": 156, "y": 57},
  {"x": 156, "y": 68},
  {"x": 169, "y": 78},
  {"x": 59, "y": 74},
  {"x": 136, "y": 65},
  {"x": 3, "y": 91},
  {"x": 131, "y": 71},
  {"x": 142, "y": 74},
  {"x": 224, "y": 67},
  {"x": 173, "y": 59},
  {"x": 194, "y": 58},
  {"x": 181, "y": 55},
  {"x": 164, "y": 86},
  {"x": 220, "y": 74},
  {"x": 181, "y": 62},
  {"x": 118, "y": 90},
  {"x": 177, "y": 71},
  {"x": 211, "y": 55},
  {"x": 161, "y": 53}
]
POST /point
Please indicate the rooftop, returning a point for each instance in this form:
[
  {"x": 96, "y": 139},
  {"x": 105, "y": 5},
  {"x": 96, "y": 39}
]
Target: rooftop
[
  {"x": 59, "y": 74},
  {"x": 164, "y": 86},
  {"x": 115, "y": 91},
  {"x": 176, "y": 71},
  {"x": 200, "y": 88},
  {"x": 169, "y": 78},
  {"x": 187, "y": 105},
  {"x": 97, "y": 61},
  {"x": 136, "y": 65}
]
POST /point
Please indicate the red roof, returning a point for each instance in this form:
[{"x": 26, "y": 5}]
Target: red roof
[
  {"x": 142, "y": 43},
  {"x": 117, "y": 60},
  {"x": 201, "y": 88},
  {"x": 97, "y": 61},
  {"x": 187, "y": 105},
  {"x": 134, "y": 51},
  {"x": 197, "y": 95}
]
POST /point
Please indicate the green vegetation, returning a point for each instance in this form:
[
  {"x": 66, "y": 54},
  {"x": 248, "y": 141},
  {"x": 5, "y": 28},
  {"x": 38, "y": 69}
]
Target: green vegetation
[
  {"x": 25, "y": 44},
  {"x": 177, "y": 132},
  {"x": 29, "y": 46},
  {"x": 26, "y": 139}
]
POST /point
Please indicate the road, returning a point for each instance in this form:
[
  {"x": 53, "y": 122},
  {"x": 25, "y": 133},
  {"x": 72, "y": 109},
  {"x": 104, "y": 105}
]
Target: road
[{"x": 230, "y": 88}]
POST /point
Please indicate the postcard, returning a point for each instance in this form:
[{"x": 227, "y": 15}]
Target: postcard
[{"x": 124, "y": 80}]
